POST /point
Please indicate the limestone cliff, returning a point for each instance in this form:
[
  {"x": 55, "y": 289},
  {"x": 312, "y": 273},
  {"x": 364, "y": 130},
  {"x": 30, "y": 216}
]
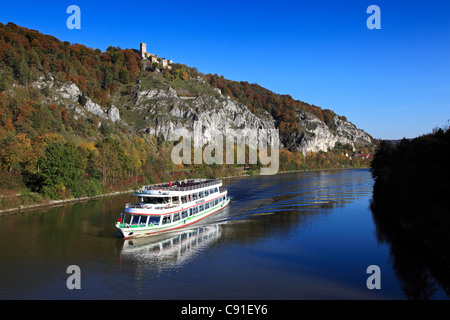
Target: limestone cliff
[
  {"x": 317, "y": 136},
  {"x": 157, "y": 108}
]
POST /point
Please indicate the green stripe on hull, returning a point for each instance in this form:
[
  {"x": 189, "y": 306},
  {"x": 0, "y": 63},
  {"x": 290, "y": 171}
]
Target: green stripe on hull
[{"x": 180, "y": 222}]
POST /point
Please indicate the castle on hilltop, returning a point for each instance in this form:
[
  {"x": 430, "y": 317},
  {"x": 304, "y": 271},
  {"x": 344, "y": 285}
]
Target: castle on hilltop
[{"x": 154, "y": 58}]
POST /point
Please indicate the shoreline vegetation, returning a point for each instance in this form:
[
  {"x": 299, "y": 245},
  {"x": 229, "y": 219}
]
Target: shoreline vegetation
[
  {"x": 49, "y": 203},
  {"x": 412, "y": 184},
  {"x": 52, "y": 147}
]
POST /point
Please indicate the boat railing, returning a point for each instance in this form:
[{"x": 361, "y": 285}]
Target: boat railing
[
  {"x": 138, "y": 206},
  {"x": 167, "y": 206},
  {"x": 150, "y": 206},
  {"x": 182, "y": 187}
]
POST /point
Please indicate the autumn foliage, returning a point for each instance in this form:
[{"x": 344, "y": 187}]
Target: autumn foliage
[{"x": 47, "y": 151}]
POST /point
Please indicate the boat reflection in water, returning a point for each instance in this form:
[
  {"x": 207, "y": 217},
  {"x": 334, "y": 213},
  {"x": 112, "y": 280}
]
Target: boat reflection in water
[{"x": 170, "y": 250}]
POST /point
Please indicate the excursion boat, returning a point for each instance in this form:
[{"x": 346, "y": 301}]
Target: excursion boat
[{"x": 170, "y": 206}]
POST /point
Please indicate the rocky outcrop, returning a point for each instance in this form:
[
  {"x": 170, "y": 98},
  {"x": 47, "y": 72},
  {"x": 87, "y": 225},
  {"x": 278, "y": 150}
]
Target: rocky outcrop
[
  {"x": 162, "y": 112},
  {"x": 113, "y": 114},
  {"x": 213, "y": 114},
  {"x": 317, "y": 136},
  {"x": 94, "y": 108},
  {"x": 69, "y": 94}
]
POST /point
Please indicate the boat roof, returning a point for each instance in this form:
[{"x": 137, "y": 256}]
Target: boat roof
[{"x": 184, "y": 185}]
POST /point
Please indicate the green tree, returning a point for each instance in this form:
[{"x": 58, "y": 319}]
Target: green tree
[
  {"x": 59, "y": 170},
  {"x": 13, "y": 151},
  {"x": 82, "y": 99},
  {"x": 107, "y": 78},
  {"x": 21, "y": 70},
  {"x": 124, "y": 77}
]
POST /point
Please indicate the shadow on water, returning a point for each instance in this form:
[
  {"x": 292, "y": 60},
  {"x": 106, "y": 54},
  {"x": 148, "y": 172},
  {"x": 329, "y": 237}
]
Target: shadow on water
[{"x": 420, "y": 273}]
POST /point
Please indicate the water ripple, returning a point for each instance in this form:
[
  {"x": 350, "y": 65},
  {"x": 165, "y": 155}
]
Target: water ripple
[{"x": 311, "y": 191}]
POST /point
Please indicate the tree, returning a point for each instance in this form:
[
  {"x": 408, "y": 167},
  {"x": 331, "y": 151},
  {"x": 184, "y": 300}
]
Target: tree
[
  {"x": 184, "y": 75},
  {"x": 124, "y": 77},
  {"x": 59, "y": 173},
  {"x": 82, "y": 99},
  {"x": 107, "y": 78},
  {"x": 21, "y": 70},
  {"x": 14, "y": 151}
]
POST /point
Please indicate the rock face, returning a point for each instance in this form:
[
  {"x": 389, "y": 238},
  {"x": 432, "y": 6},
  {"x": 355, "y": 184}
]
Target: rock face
[
  {"x": 162, "y": 112},
  {"x": 171, "y": 115},
  {"x": 94, "y": 108},
  {"x": 69, "y": 94},
  {"x": 113, "y": 114},
  {"x": 317, "y": 136},
  {"x": 213, "y": 114}
]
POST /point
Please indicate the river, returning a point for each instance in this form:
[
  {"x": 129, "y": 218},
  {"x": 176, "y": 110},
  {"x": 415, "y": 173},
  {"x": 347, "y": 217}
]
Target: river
[{"x": 305, "y": 235}]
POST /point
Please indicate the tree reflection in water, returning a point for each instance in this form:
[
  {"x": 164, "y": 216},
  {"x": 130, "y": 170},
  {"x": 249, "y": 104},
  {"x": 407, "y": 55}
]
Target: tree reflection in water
[{"x": 419, "y": 272}]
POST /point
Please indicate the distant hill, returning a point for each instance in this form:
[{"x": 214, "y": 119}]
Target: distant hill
[
  {"x": 111, "y": 113},
  {"x": 26, "y": 55}
]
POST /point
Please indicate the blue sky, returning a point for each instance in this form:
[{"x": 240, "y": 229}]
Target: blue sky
[{"x": 393, "y": 82}]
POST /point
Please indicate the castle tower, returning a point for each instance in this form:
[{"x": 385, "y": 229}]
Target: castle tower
[{"x": 143, "y": 50}]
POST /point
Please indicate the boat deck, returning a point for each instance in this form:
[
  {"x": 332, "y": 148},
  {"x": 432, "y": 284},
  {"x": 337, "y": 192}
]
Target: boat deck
[{"x": 183, "y": 185}]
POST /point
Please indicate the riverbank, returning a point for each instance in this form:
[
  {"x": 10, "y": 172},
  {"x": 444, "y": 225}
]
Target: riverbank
[
  {"x": 55, "y": 203},
  {"x": 258, "y": 223},
  {"x": 412, "y": 183}
]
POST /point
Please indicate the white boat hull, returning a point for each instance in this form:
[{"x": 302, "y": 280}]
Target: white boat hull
[{"x": 134, "y": 232}]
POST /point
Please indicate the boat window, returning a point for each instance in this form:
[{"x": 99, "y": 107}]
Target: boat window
[
  {"x": 195, "y": 196},
  {"x": 166, "y": 219},
  {"x": 216, "y": 190},
  {"x": 201, "y": 208},
  {"x": 207, "y": 205},
  {"x": 201, "y": 194},
  {"x": 184, "y": 199},
  {"x": 176, "y": 216},
  {"x": 190, "y": 212},
  {"x": 184, "y": 214},
  {"x": 216, "y": 202},
  {"x": 206, "y": 193},
  {"x": 147, "y": 200},
  {"x": 175, "y": 200},
  {"x": 143, "y": 221},
  {"x": 127, "y": 219},
  {"x": 195, "y": 210},
  {"x": 155, "y": 200},
  {"x": 154, "y": 220},
  {"x": 135, "y": 220}
]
